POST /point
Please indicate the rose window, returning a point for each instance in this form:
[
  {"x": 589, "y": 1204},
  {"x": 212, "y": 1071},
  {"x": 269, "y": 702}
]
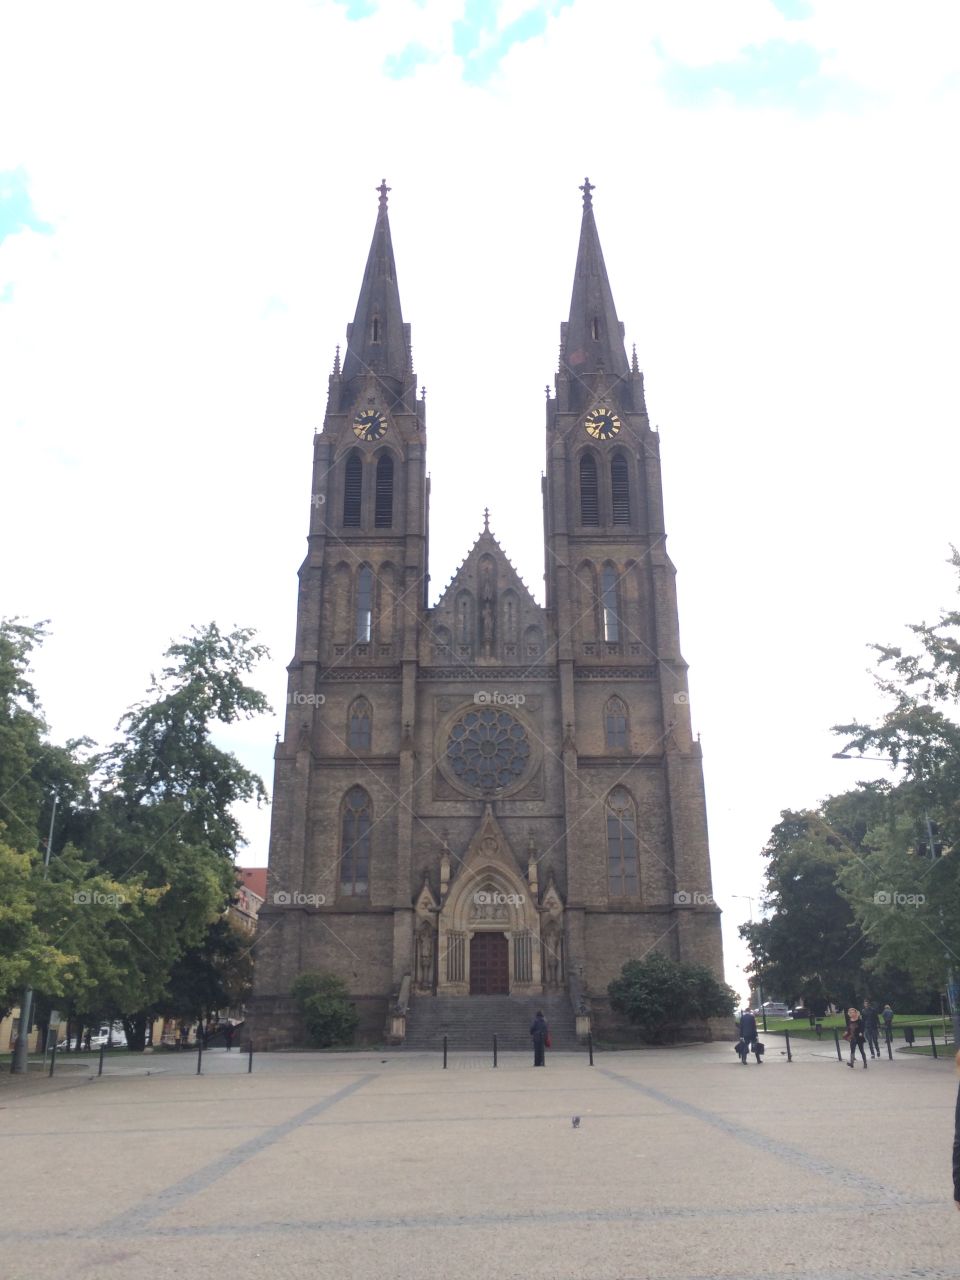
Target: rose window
[{"x": 488, "y": 749}]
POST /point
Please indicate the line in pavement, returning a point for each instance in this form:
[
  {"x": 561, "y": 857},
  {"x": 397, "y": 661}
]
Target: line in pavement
[
  {"x": 752, "y": 1138},
  {"x": 171, "y": 1197}
]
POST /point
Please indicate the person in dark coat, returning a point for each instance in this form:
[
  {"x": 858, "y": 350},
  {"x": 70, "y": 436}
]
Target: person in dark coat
[
  {"x": 956, "y": 1144},
  {"x": 855, "y": 1031},
  {"x": 871, "y": 1028},
  {"x": 539, "y": 1031},
  {"x": 228, "y": 1033},
  {"x": 748, "y": 1034}
]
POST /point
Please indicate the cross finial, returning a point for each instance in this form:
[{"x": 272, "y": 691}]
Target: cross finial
[
  {"x": 383, "y": 189},
  {"x": 587, "y": 188},
  {"x": 486, "y": 519}
]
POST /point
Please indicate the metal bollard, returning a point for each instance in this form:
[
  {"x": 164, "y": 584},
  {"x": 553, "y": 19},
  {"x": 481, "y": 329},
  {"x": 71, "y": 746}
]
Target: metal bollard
[
  {"x": 933, "y": 1043},
  {"x": 53, "y": 1055},
  {"x": 250, "y": 1059},
  {"x": 100, "y": 1066},
  {"x": 494, "y": 1050},
  {"x": 590, "y": 1046},
  {"x": 199, "y": 1055},
  {"x": 444, "y": 1053},
  {"x": 836, "y": 1037},
  {"x": 787, "y": 1038}
]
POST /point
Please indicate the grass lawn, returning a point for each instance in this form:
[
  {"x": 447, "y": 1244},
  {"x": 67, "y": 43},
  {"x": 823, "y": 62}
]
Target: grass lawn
[{"x": 920, "y": 1022}]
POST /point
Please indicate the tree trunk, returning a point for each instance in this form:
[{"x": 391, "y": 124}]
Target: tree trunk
[{"x": 136, "y": 1029}]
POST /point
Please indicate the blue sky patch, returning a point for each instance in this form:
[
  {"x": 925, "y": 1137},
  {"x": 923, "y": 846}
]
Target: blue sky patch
[
  {"x": 483, "y": 45},
  {"x": 16, "y": 207},
  {"x": 400, "y": 65},
  {"x": 357, "y": 9},
  {"x": 776, "y": 74},
  {"x": 793, "y": 10}
]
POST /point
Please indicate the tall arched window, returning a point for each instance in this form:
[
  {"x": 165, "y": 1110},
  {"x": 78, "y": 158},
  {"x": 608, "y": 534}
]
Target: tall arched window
[
  {"x": 589, "y": 490},
  {"x": 608, "y": 605},
  {"x": 352, "y": 490},
  {"x": 615, "y": 723},
  {"x": 364, "y": 605},
  {"x": 383, "y": 503},
  {"x": 620, "y": 489},
  {"x": 359, "y": 725},
  {"x": 355, "y": 844},
  {"x": 623, "y": 872}
]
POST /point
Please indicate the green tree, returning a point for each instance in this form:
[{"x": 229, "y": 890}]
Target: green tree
[
  {"x": 328, "y": 1015},
  {"x": 660, "y": 995},
  {"x": 920, "y": 731},
  {"x": 811, "y": 946},
  {"x": 214, "y": 975},
  {"x": 164, "y": 817}
]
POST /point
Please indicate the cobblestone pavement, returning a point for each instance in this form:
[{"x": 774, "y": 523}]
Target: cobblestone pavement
[{"x": 684, "y": 1165}]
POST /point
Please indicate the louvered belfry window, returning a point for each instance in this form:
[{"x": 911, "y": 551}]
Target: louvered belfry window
[
  {"x": 589, "y": 490},
  {"x": 383, "y": 506},
  {"x": 620, "y": 489},
  {"x": 352, "y": 490}
]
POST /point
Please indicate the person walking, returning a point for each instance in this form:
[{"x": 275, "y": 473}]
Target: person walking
[
  {"x": 855, "y": 1032},
  {"x": 228, "y": 1033},
  {"x": 956, "y": 1143},
  {"x": 748, "y": 1035},
  {"x": 541, "y": 1034},
  {"x": 871, "y": 1028}
]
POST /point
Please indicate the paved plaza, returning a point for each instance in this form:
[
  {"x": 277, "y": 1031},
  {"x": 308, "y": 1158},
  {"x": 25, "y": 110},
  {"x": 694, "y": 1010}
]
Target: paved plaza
[{"x": 685, "y": 1164}]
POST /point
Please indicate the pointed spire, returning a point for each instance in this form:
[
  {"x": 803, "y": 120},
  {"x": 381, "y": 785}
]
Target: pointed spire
[
  {"x": 377, "y": 339},
  {"x": 593, "y": 337}
]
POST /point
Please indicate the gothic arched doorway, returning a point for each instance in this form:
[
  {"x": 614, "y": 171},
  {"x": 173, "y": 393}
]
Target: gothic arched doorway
[{"x": 489, "y": 964}]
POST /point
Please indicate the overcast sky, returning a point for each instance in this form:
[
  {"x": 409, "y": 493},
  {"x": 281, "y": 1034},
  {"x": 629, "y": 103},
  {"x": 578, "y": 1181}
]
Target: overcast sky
[{"x": 186, "y": 203}]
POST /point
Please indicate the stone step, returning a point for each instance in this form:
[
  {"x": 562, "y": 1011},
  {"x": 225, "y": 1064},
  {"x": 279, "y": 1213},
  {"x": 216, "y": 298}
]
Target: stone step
[{"x": 470, "y": 1022}]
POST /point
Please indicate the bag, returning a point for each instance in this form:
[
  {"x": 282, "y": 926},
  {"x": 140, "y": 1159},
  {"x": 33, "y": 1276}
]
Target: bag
[
  {"x": 846, "y": 1034},
  {"x": 758, "y": 1047},
  {"x": 548, "y": 1044},
  {"x": 740, "y": 1046}
]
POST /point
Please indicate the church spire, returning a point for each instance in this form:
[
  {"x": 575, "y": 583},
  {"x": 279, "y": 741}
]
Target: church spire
[
  {"x": 378, "y": 340},
  {"x": 593, "y": 336}
]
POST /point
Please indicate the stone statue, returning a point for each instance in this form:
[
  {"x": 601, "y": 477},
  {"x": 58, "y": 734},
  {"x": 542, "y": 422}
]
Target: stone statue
[{"x": 425, "y": 957}]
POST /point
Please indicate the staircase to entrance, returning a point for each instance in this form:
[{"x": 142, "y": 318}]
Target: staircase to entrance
[{"x": 470, "y": 1022}]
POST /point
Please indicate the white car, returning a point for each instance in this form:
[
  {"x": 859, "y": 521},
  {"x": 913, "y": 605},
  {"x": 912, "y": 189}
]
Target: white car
[{"x": 775, "y": 1010}]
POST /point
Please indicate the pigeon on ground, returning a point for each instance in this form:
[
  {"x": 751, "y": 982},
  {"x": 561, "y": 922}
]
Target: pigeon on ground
[{"x": 576, "y": 1122}]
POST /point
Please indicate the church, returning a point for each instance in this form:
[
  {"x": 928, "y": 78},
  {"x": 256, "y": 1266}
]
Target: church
[{"x": 487, "y": 805}]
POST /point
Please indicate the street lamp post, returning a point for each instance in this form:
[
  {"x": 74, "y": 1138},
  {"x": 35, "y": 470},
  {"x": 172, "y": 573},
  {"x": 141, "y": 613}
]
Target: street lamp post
[
  {"x": 763, "y": 1012},
  {"x": 18, "y": 1063}
]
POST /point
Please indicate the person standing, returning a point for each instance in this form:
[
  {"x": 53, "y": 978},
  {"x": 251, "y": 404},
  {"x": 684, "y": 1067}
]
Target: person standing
[
  {"x": 887, "y": 1016},
  {"x": 871, "y": 1028},
  {"x": 539, "y": 1031},
  {"x": 956, "y": 1144},
  {"x": 855, "y": 1032},
  {"x": 748, "y": 1035}
]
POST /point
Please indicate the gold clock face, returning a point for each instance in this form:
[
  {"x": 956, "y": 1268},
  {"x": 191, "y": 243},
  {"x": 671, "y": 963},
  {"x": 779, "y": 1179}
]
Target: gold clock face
[
  {"x": 369, "y": 424},
  {"x": 602, "y": 423}
]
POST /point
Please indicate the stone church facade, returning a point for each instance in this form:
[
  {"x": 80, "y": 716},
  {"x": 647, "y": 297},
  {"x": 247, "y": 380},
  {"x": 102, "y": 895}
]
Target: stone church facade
[{"x": 489, "y": 796}]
